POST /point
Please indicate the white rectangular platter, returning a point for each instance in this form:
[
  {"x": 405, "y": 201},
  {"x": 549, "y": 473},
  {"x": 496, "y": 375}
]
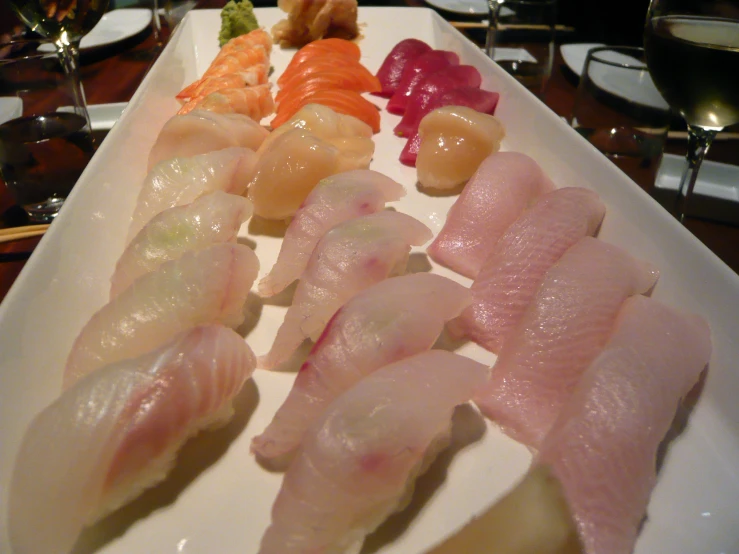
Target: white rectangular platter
[{"x": 218, "y": 498}]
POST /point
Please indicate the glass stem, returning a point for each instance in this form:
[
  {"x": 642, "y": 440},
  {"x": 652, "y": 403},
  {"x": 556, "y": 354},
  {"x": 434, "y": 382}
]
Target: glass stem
[
  {"x": 493, "y": 12},
  {"x": 69, "y": 57},
  {"x": 156, "y": 23},
  {"x": 699, "y": 141}
]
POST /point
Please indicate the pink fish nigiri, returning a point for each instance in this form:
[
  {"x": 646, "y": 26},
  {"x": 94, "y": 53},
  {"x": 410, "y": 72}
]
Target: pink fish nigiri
[
  {"x": 181, "y": 180},
  {"x": 391, "y": 320},
  {"x": 514, "y": 271},
  {"x": 414, "y": 71},
  {"x": 358, "y": 462},
  {"x": 334, "y": 200},
  {"x": 603, "y": 446},
  {"x": 502, "y": 187},
  {"x": 117, "y": 431},
  {"x": 560, "y": 333},
  {"x": 392, "y": 67},
  {"x": 210, "y": 219},
  {"x": 349, "y": 258},
  {"x": 205, "y": 286}
]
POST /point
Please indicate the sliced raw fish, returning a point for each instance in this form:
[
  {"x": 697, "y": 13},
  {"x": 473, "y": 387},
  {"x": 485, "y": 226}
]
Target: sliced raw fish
[
  {"x": 454, "y": 142},
  {"x": 116, "y": 433},
  {"x": 503, "y": 186},
  {"x": 351, "y": 257},
  {"x": 561, "y": 332},
  {"x": 414, "y": 72},
  {"x": 603, "y": 446},
  {"x": 515, "y": 269},
  {"x": 179, "y": 181},
  {"x": 358, "y": 462},
  {"x": 392, "y": 67},
  {"x": 199, "y": 132},
  {"x": 432, "y": 85},
  {"x": 348, "y": 102},
  {"x": 328, "y": 47},
  {"x": 210, "y": 219},
  {"x": 358, "y": 79},
  {"x": 476, "y": 98},
  {"x": 335, "y": 199},
  {"x": 394, "y": 319},
  {"x": 205, "y": 286}
]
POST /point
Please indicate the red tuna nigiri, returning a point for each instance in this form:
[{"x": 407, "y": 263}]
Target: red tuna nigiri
[
  {"x": 392, "y": 68},
  {"x": 414, "y": 72}
]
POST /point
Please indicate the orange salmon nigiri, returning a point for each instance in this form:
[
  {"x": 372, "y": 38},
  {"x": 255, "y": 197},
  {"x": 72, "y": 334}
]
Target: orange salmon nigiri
[
  {"x": 342, "y": 101},
  {"x": 327, "y": 46},
  {"x": 357, "y": 80},
  {"x": 315, "y": 65}
]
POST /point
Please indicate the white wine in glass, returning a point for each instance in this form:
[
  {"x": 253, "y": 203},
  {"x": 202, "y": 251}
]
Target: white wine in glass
[{"x": 692, "y": 51}]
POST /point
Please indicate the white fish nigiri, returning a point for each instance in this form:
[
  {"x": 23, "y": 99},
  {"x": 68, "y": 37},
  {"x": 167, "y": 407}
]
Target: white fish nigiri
[
  {"x": 335, "y": 199},
  {"x": 205, "y": 286},
  {"x": 202, "y": 131},
  {"x": 210, "y": 219},
  {"x": 351, "y": 257},
  {"x": 389, "y": 321},
  {"x": 560, "y": 333},
  {"x": 116, "y": 433},
  {"x": 504, "y": 185},
  {"x": 358, "y": 463},
  {"x": 181, "y": 180},
  {"x": 603, "y": 446}
]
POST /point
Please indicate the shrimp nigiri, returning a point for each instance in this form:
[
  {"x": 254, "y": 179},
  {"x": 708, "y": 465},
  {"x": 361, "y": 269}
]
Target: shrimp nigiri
[{"x": 255, "y": 102}]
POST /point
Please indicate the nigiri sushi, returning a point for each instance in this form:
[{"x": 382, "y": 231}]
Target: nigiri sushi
[
  {"x": 210, "y": 219},
  {"x": 349, "y": 258},
  {"x": 335, "y": 199},
  {"x": 255, "y": 102},
  {"x": 205, "y": 286},
  {"x": 358, "y": 462},
  {"x": 389, "y": 321},
  {"x": 116, "y": 433},
  {"x": 392, "y": 66},
  {"x": 414, "y": 72},
  {"x": 327, "y": 47}
]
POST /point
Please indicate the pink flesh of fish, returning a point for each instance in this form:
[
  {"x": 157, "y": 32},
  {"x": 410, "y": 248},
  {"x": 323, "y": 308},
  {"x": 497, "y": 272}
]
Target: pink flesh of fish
[
  {"x": 561, "y": 332},
  {"x": 351, "y": 257},
  {"x": 209, "y": 285},
  {"x": 200, "y": 131},
  {"x": 389, "y": 321},
  {"x": 502, "y": 187},
  {"x": 181, "y": 180},
  {"x": 210, "y": 219},
  {"x": 359, "y": 459},
  {"x": 603, "y": 446},
  {"x": 334, "y": 200},
  {"x": 392, "y": 68},
  {"x": 117, "y": 431},
  {"x": 414, "y": 72},
  {"x": 436, "y": 83},
  {"x": 514, "y": 271}
]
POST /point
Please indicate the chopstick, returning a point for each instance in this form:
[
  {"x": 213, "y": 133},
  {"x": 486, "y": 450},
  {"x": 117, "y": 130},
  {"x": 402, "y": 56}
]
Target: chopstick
[
  {"x": 27, "y": 231},
  {"x": 509, "y": 26},
  {"x": 683, "y": 135}
]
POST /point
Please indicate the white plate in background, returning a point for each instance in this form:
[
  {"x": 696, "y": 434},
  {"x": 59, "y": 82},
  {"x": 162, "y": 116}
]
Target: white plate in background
[
  {"x": 10, "y": 108},
  {"x": 114, "y": 26},
  {"x": 466, "y": 7}
]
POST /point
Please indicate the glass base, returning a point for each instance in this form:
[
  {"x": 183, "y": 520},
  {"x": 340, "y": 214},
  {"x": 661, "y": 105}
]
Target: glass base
[{"x": 44, "y": 212}]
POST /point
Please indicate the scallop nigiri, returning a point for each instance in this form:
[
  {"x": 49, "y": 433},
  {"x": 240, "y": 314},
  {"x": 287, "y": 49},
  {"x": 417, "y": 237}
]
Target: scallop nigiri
[
  {"x": 358, "y": 462},
  {"x": 351, "y": 257},
  {"x": 205, "y": 286},
  {"x": 212, "y": 218},
  {"x": 181, "y": 180},
  {"x": 389, "y": 321},
  {"x": 335, "y": 199},
  {"x": 116, "y": 433}
]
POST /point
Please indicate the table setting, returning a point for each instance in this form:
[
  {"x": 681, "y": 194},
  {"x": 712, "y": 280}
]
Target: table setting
[{"x": 563, "y": 102}]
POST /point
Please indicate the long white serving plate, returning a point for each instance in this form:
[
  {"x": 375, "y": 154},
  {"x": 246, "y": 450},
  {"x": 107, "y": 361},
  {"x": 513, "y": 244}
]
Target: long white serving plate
[{"x": 218, "y": 498}]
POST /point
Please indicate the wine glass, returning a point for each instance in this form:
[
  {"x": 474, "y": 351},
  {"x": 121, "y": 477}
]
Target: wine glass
[
  {"x": 65, "y": 22},
  {"x": 692, "y": 51}
]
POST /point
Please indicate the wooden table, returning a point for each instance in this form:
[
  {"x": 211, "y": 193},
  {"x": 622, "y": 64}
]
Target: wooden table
[{"x": 114, "y": 75}]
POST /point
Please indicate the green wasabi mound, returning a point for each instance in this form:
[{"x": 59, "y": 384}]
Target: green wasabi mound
[{"x": 237, "y": 18}]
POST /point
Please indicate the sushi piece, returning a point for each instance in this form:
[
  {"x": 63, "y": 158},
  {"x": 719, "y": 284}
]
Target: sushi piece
[
  {"x": 454, "y": 142},
  {"x": 251, "y": 76},
  {"x": 252, "y": 39},
  {"x": 328, "y": 47},
  {"x": 205, "y": 286},
  {"x": 116, "y": 433},
  {"x": 358, "y": 462},
  {"x": 255, "y": 102},
  {"x": 343, "y": 101},
  {"x": 503, "y": 186},
  {"x": 603, "y": 446},
  {"x": 351, "y": 257},
  {"x": 514, "y": 271},
  {"x": 210, "y": 219},
  {"x": 392, "y": 67},
  {"x": 414, "y": 72},
  {"x": 334, "y": 200},
  {"x": 394, "y": 319},
  {"x": 179, "y": 181},
  {"x": 293, "y": 164},
  {"x": 357, "y": 78},
  {"x": 199, "y": 132},
  {"x": 561, "y": 332}
]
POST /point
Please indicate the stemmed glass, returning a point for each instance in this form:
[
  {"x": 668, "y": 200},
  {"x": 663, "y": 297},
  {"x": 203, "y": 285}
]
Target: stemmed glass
[
  {"x": 65, "y": 22},
  {"x": 692, "y": 51}
]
